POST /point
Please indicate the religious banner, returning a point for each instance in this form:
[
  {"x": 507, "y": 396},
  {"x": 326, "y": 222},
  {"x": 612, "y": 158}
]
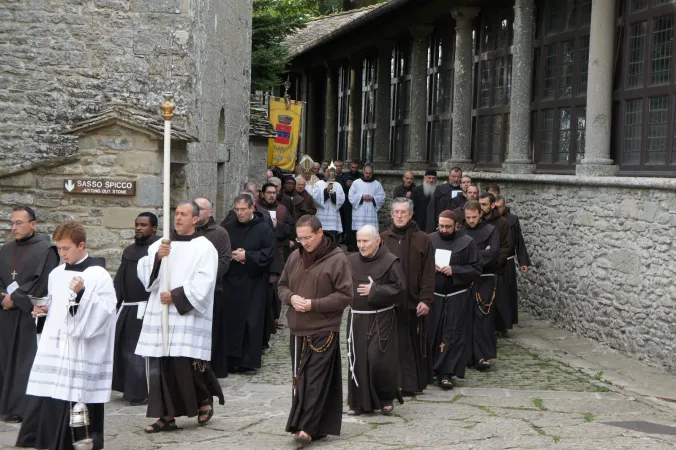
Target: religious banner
[{"x": 285, "y": 115}]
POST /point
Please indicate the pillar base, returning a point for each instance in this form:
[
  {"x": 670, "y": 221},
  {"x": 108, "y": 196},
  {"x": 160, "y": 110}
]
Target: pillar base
[
  {"x": 381, "y": 163},
  {"x": 596, "y": 170},
  {"x": 464, "y": 164},
  {"x": 514, "y": 167}
]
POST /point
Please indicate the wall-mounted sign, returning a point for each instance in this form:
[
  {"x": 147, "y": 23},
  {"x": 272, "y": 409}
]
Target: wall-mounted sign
[{"x": 99, "y": 187}]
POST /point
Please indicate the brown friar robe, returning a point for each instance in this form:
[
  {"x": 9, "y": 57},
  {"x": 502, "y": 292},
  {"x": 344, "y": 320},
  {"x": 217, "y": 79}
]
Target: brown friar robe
[
  {"x": 373, "y": 380},
  {"x": 503, "y": 310},
  {"x": 414, "y": 250},
  {"x": 303, "y": 205},
  {"x": 518, "y": 250}
]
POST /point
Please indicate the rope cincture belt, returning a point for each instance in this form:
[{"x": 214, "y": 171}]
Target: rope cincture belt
[
  {"x": 511, "y": 257},
  {"x": 450, "y": 295},
  {"x": 351, "y": 356}
]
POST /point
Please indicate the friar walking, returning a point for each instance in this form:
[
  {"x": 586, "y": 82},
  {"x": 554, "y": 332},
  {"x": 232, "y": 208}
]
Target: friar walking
[
  {"x": 129, "y": 369},
  {"x": 317, "y": 283},
  {"x": 372, "y": 347},
  {"x": 25, "y": 264},
  {"x": 457, "y": 266}
]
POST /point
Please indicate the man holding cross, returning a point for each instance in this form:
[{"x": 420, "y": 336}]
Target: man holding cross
[{"x": 25, "y": 264}]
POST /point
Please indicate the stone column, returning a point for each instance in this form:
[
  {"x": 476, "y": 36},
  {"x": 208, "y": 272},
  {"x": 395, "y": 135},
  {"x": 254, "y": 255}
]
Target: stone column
[
  {"x": 461, "y": 152},
  {"x": 354, "y": 142},
  {"x": 312, "y": 146},
  {"x": 381, "y": 156},
  {"x": 519, "y": 159},
  {"x": 597, "y": 161},
  {"x": 331, "y": 114},
  {"x": 417, "y": 157}
]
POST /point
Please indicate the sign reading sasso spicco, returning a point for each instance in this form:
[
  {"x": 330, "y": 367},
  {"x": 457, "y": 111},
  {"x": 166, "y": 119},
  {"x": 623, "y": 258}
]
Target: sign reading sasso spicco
[{"x": 99, "y": 186}]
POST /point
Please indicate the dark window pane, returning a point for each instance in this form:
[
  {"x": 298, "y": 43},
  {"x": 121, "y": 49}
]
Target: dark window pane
[
  {"x": 637, "y": 5},
  {"x": 569, "y": 13},
  {"x": 547, "y": 136},
  {"x": 509, "y": 79},
  {"x": 484, "y": 138},
  {"x": 662, "y": 2},
  {"x": 632, "y": 131},
  {"x": 637, "y": 32},
  {"x": 563, "y": 151},
  {"x": 663, "y": 37},
  {"x": 584, "y": 65},
  {"x": 503, "y": 32},
  {"x": 506, "y": 135},
  {"x": 581, "y": 128},
  {"x": 487, "y": 38},
  {"x": 549, "y": 76},
  {"x": 499, "y": 82},
  {"x": 585, "y": 12},
  {"x": 485, "y": 82},
  {"x": 553, "y": 16},
  {"x": 496, "y": 144},
  {"x": 566, "y": 79},
  {"x": 658, "y": 108}
]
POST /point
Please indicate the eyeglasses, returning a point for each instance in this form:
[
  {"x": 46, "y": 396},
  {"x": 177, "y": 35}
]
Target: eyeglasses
[
  {"x": 400, "y": 213},
  {"x": 304, "y": 238}
]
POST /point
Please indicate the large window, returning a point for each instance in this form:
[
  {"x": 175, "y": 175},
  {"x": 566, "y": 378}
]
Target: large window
[
  {"x": 369, "y": 88},
  {"x": 560, "y": 94},
  {"x": 645, "y": 89},
  {"x": 440, "y": 95},
  {"x": 493, "y": 81},
  {"x": 343, "y": 110},
  {"x": 400, "y": 123}
]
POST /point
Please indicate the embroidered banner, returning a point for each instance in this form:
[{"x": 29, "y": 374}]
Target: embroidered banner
[{"x": 286, "y": 117}]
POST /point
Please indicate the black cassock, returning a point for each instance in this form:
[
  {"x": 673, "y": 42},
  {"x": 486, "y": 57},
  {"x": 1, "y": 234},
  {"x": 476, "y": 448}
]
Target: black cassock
[
  {"x": 245, "y": 288},
  {"x": 518, "y": 249},
  {"x": 420, "y": 204},
  {"x": 450, "y": 319},
  {"x": 440, "y": 201},
  {"x": 32, "y": 259},
  {"x": 481, "y": 342},
  {"x": 372, "y": 336},
  {"x": 129, "y": 369}
]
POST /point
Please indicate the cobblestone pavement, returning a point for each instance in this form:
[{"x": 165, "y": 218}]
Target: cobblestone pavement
[{"x": 525, "y": 401}]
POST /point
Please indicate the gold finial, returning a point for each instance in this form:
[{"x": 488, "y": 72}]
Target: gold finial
[{"x": 168, "y": 106}]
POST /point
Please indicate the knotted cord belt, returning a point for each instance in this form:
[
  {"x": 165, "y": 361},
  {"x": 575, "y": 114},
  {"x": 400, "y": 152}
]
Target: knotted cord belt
[{"x": 351, "y": 350}]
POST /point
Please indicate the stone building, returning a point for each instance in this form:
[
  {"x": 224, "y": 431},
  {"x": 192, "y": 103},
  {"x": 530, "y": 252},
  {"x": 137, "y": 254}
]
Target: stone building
[
  {"x": 63, "y": 62},
  {"x": 568, "y": 105}
]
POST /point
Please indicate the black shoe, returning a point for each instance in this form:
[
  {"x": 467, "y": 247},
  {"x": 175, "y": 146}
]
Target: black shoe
[{"x": 13, "y": 418}]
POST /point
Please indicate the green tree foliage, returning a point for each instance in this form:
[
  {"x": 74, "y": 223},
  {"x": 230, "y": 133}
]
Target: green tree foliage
[{"x": 272, "y": 22}]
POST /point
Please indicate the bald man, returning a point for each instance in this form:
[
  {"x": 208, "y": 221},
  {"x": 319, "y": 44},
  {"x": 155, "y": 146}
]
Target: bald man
[
  {"x": 406, "y": 187},
  {"x": 220, "y": 239}
]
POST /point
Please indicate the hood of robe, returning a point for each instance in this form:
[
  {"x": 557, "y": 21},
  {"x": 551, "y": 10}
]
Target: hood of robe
[{"x": 376, "y": 267}]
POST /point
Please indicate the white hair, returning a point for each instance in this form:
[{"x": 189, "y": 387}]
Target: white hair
[
  {"x": 316, "y": 164},
  {"x": 370, "y": 230},
  {"x": 300, "y": 178},
  {"x": 274, "y": 180},
  {"x": 405, "y": 200}
]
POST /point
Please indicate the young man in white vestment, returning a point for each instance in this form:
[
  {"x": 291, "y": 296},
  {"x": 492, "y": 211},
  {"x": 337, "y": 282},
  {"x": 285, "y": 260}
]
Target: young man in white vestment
[
  {"x": 366, "y": 196},
  {"x": 74, "y": 361},
  {"x": 181, "y": 383}
]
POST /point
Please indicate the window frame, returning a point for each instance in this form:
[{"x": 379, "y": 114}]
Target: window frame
[
  {"x": 369, "y": 92},
  {"x": 400, "y": 78},
  {"x": 343, "y": 126},
  {"x": 440, "y": 79},
  {"x": 622, "y": 94}
]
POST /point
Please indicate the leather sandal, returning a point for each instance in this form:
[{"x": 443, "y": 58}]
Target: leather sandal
[
  {"x": 205, "y": 412},
  {"x": 307, "y": 439},
  {"x": 167, "y": 425}
]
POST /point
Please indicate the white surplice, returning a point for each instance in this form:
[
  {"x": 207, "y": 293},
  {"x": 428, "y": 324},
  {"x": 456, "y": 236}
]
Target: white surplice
[
  {"x": 192, "y": 265},
  {"x": 328, "y": 212},
  {"x": 363, "y": 212},
  {"x": 74, "y": 361}
]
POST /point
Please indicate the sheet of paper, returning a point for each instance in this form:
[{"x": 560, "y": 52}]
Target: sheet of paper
[
  {"x": 442, "y": 258},
  {"x": 455, "y": 193},
  {"x": 141, "y": 310},
  {"x": 273, "y": 215},
  {"x": 12, "y": 287}
]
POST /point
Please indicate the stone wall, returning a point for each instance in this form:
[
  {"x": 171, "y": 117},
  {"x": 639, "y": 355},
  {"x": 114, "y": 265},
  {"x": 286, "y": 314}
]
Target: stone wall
[
  {"x": 63, "y": 60},
  {"x": 603, "y": 252},
  {"x": 113, "y": 153}
]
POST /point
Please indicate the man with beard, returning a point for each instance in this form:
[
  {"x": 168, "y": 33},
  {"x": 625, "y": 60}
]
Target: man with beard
[
  {"x": 406, "y": 187},
  {"x": 251, "y": 190},
  {"x": 346, "y": 180},
  {"x": 493, "y": 189},
  {"x": 367, "y": 196},
  {"x": 472, "y": 194},
  {"x": 329, "y": 197},
  {"x": 129, "y": 369},
  {"x": 460, "y": 199},
  {"x": 454, "y": 278},
  {"x": 414, "y": 249},
  {"x": 181, "y": 383},
  {"x": 246, "y": 284},
  {"x": 378, "y": 283},
  {"x": 503, "y": 310},
  {"x": 281, "y": 198},
  {"x": 25, "y": 264},
  {"x": 481, "y": 343},
  {"x": 317, "y": 283},
  {"x": 443, "y": 196},
  {"x": 302, "y": 200},
  {"x": 518, "y": 250},
  {"x": 421, "y": 196},
  {"x": 221, "y": 241},
  {"x": 282, "y": 222}
]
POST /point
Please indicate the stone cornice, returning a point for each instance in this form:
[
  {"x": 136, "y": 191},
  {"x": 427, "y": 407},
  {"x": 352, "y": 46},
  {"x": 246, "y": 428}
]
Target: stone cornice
[
  {"x": 17, "y": 169},
  {"x": 570, "y": 180}
]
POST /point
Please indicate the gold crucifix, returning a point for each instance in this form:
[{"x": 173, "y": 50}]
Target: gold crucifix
[{"x": 441, "y": 347}]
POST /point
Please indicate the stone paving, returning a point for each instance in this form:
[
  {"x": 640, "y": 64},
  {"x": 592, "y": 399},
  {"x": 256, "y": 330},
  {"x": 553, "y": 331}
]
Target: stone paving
[{"x": 525, "y": 401}]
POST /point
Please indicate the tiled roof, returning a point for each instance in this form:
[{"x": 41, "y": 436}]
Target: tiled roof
[
  {"x": 119, "y": 113},
  {"x": 259, "y": 125},
  {"x": 321, "y": 27}
]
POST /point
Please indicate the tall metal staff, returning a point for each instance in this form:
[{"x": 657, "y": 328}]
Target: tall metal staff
[{"x": 167, "y": 108}]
